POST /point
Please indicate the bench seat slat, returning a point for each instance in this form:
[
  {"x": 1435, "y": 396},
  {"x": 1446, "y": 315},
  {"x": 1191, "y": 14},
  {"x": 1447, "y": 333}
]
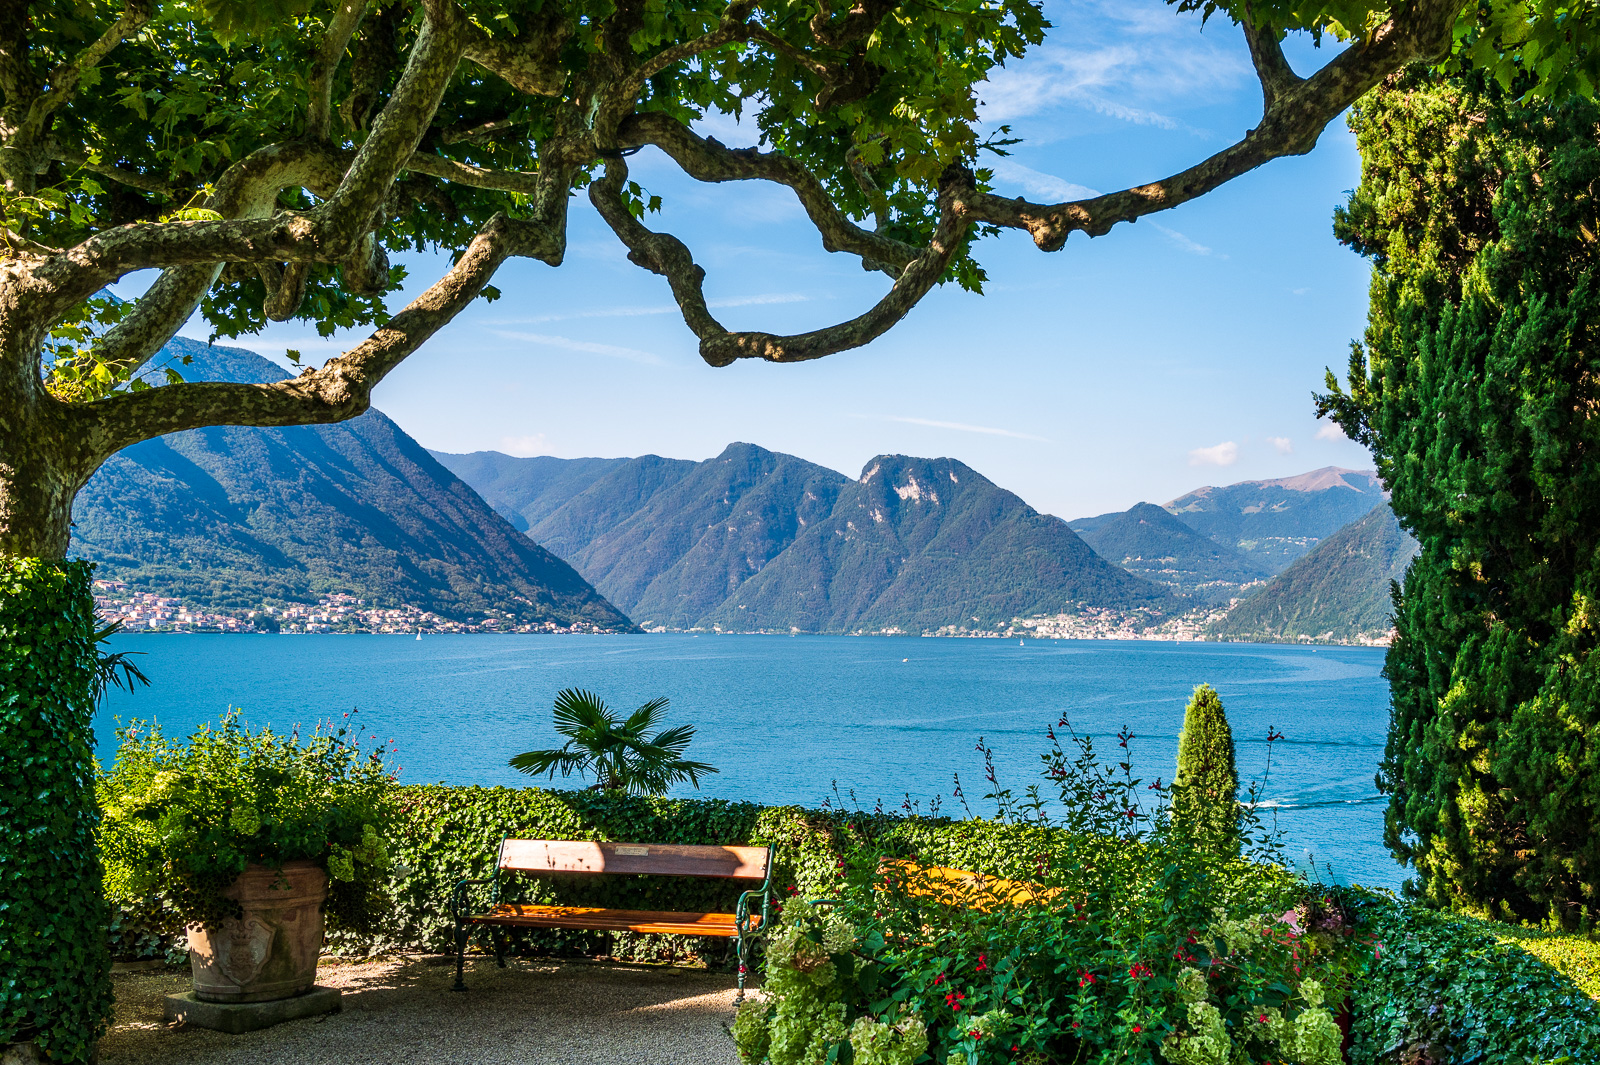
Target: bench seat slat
[
  {"x": 660, "y": 859},
  {"x": 596, "y": 919}
]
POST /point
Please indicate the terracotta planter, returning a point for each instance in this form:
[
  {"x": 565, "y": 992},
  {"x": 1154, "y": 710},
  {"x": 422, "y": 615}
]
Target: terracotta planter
[{"x": 271, "y": 950}]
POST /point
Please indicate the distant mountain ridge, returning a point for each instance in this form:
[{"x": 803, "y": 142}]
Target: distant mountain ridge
[
  {"x": 229, "y": 517},
  {"x": 1277, "y": 521},
  {"x": 753, "y": 540},
  {"x": 1148, "y": 541},
  {"x": 1339, "y": 591}
]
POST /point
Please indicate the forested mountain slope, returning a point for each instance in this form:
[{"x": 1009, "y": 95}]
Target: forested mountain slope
[
  {"x": 231, "y": 517},
  {"x": 753, "y": 540},
  {"x": 1340, "y": 591}
]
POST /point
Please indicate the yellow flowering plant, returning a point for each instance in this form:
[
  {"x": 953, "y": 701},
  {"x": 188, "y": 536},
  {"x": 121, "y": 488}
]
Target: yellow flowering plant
[{"x": 183, "y": 818}]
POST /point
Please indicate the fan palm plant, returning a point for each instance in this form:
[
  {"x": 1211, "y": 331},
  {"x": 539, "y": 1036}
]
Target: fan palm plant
[{"x": 621, "y": 755}]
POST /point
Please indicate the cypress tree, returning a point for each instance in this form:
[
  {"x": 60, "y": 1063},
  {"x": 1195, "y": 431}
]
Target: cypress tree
[
  {"x": 1205, "y": 791},
  {"x": 1477, "y": 388}
]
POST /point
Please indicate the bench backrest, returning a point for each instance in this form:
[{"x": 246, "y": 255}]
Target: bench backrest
[{"x": 659, "y": 859}]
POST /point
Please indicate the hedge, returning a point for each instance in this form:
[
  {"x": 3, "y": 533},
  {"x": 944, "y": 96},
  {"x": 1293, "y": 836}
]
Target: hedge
[
  {"x": 1439, "y": 978},
  {"x": 1464, "y": 987},
  {"x": 55, "y": 970}
]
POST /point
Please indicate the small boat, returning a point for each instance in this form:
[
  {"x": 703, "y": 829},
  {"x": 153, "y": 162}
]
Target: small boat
[
  {"x": 419, "y": 634},
  {"x": 1019, "y": 641}
]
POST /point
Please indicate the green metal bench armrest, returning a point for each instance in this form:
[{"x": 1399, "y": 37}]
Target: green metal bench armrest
[
  {"x": 742, "y": 915},
  {"x": 459, "y": 892}
]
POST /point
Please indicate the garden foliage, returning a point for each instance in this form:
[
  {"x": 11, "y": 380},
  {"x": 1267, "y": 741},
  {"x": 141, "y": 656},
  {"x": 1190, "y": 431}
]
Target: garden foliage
[
  {"x": 55, "y": 970},
  {"x": 1136, "y": 942},
  {"x": 1476, "y": 388},
  {"x": 1456, "y": 986},
  {"x": 184, "y": 818}
]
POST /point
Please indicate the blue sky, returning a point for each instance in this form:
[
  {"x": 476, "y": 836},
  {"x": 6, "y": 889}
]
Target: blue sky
[{"x": 1173, "y": 353}]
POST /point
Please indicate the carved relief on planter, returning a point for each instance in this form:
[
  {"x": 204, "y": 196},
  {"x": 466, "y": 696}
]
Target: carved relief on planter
[{"x": 270, "y": 951}]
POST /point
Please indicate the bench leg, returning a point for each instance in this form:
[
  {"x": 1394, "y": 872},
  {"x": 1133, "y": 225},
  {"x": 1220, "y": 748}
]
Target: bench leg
[
  {"x": 499, "y": 948},
  {"x": 461, "y": 956},
  {"x": 741, "y": 951}
]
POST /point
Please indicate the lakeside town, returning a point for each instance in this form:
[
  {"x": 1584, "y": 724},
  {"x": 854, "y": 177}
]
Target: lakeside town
[{"x": 337, "y": 613}]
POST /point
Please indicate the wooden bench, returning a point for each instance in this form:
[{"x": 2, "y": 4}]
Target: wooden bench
[{"x": 569, "y": 857}]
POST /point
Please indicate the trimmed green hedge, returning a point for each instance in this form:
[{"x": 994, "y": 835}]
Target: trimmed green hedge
[
  {"x": 1493, "y": 998},
  {"x": 449, "y": 833},
  {"x": 55, "y": 969},
  {"x": 1460, "y": 985}
]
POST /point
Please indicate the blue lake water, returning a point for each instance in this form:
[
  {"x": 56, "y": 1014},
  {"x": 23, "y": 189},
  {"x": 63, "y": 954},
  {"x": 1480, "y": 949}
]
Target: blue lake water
[{"x": 785, "y": 717}]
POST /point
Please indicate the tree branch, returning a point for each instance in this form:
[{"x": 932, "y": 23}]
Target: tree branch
[
  {"x": 1266, "y": 53},
  {"x": 340, "y": 389},
  {"x": 664, "y": 254},
  {"x": 131, "y": 178},
  {"x": 349, "y": 212},
  {"x": 341, "y": 27},
  {"x": 705, "y": 159},
  {"x": 1291, "y": 126},
  {"x": 475, "y": 176}
]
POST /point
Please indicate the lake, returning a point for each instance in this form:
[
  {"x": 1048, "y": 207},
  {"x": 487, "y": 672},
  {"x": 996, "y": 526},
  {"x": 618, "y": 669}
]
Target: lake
[{"x": 784, "y": 718}]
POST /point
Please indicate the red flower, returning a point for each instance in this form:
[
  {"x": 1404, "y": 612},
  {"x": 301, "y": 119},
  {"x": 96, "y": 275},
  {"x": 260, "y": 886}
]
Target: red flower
[
  {"x": 982, "y": 962},
  {"x": 1139, "y": 971},
  {"x": 1263, "y": 1018},
  {"x": 1137, "y": 1029},
  {"x": 1085, "y": 978}
]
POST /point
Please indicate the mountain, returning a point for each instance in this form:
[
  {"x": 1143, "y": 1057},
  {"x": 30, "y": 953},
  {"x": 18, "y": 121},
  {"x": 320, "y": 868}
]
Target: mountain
[
  {"x": 753, "y": 540},
  {"x": 1148, "y": 541},
  {"x": 1275, "y": 522},
  {"x": 231, "y": 517},
  {"x": 672, "y": 539},
  {"x": 525, "y": 490},
  {"x": 920, "y": 545},
  {"x": 1338, "y": 591}
]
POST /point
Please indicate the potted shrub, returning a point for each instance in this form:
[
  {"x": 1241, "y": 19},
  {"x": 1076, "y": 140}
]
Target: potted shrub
[{"x": 255, "y": 840}]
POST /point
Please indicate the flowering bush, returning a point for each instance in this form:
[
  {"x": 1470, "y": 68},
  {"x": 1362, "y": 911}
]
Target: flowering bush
[
  {"x": 1134, "y": 941},
  {"x": 182, "y": 819}
]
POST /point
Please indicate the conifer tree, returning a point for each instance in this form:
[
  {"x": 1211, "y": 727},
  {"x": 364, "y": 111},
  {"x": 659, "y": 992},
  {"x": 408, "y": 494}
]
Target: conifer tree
[
  {"x": 1477, "y": 389},
  {"x": 1205, "y": 791}
]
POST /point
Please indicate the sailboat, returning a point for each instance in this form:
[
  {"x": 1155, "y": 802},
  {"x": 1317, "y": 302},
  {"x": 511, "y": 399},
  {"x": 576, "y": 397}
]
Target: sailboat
[{"x": 419, "y": 634}]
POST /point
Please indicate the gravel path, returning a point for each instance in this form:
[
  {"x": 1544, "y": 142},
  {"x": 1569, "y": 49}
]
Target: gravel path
[{"x": 397, "y": 1012}]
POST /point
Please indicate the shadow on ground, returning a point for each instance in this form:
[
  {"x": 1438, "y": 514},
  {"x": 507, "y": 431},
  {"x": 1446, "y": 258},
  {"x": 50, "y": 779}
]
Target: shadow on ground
[{"x": 401, "y": 1011}]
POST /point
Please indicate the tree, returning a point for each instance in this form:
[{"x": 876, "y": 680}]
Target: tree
[
  {"x": 622, "y": 755},
  {"x": 266, "y": 156},
  {"x": 1205, "y": 789},
  {"x": 1477, "y": 388}
]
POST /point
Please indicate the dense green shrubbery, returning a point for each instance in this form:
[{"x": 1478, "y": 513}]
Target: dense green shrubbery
[
  {"x": 1454, "y": 983},
  {"x": 443, "y": 833},
  {"x": 1144, "y": 945},
  {"x": 55, "y": 971},
  {"x": 182, "y": 819}
]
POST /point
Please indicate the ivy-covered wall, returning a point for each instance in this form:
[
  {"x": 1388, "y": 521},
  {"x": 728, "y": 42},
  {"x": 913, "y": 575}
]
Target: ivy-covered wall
[{"x": 55, "y": 970}]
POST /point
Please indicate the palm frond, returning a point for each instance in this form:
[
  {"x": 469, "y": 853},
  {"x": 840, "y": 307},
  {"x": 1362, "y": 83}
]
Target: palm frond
[
  {"x": 674, "y": 740},
  {"x": 577, "y": 712},
  {"x": 644, "y": 717},
  {"x": 534, "y": 763}
]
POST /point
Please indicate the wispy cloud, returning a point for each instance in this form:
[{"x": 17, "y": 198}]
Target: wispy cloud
[
  {"x": 1038, "y": 183},
  {"x": 1193, "y": 247},
  {"x": 653, "y": 309},
  {"x": 524, "y": 446},
  {"x": 1281, "y": 444},
  {"x": 1132, "y": 62},
  {"x": 1223, "y": 454},
  {"x": 587, "y": 347},
  {"x": 960, "y": 427},
  {"x": 1330, "y": 431}
]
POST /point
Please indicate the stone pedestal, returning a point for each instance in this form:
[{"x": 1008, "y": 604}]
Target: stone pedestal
[{"x": 238, "y": 1017}]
